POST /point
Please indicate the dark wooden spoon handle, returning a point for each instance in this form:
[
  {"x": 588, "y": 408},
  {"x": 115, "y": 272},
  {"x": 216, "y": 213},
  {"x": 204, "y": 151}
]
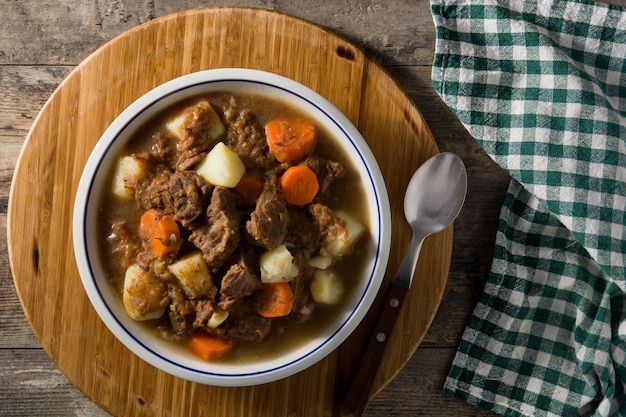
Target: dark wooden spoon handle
[{"x": 360, "y": 389}]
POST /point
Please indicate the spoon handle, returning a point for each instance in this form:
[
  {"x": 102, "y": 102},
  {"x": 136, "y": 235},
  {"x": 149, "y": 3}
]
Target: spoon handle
[{"x": 359, "y": 391}]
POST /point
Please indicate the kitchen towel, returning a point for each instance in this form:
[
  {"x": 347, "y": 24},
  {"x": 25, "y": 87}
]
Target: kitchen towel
[{"x": 541, "y": 86}]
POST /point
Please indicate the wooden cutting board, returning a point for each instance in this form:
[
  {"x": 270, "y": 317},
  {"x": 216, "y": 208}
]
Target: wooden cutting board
[{"x": 69, "y": 125}]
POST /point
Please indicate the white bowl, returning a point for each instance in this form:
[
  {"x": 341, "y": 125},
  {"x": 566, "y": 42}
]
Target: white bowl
[{"x": 145, "y": 343}]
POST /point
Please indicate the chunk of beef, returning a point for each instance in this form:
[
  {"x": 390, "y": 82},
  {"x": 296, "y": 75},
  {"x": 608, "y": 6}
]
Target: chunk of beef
[
  {"x": 220, "y": 235},
  {"x": 268, "y": 222},
  {"x": 158, "y": 266},
  {"x": 247, "y": 325},
  {"x": 145, "y": 258},
  {"x": 246, "y": 137},
  {"x": 226, "y": 104},
  {"x": 326, "y": 171},
  {"x": 303, "y": 303},
  {"x": 196, "y": 140},
  {"x": 189, "y": 195},
  {"x": 160, "y": 154},
  {"x": 161, "y": 151},
  {"x": 237, "y": 283},
  {"x": 302, "y": 232},
  {"x": 181, "y": 311},
  {"x": 122, "y": 244},
  {"x": 327, "y": 222},
  {"x": 204, "y": 309},
  {"x": 154, "y": 192},
  {"x": 185, "y": 315}
]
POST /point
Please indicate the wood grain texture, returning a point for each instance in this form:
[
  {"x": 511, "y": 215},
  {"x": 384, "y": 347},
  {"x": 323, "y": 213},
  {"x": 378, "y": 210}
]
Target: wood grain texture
[
  {"x": 63, "y": 134},
  {"x": 37, "y": 27},
  {"x": 43, "y": 41}
]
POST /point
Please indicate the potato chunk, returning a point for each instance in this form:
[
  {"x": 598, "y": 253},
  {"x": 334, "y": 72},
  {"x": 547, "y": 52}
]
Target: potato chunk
[
  {"x": 320, "y": 261},
  {"x": 277, "y": 265},
  {"x": 193, "y": 275},
  {"x": 128, "y": 170},
  {"x": 343, "y": 242},
  {"x": 144, "y": 294},
  {"x": 177, "y": 125},
  {"x": 221, "y": 166},
  {"x": 326, "y": 288}
]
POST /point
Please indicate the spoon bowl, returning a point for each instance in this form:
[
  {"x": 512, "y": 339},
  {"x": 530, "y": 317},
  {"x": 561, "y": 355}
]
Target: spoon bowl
[{"x": 436, "y": 193}]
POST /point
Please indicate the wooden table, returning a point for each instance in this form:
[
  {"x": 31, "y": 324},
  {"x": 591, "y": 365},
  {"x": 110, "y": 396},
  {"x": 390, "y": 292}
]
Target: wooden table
[{"x": 41, "y": 42}]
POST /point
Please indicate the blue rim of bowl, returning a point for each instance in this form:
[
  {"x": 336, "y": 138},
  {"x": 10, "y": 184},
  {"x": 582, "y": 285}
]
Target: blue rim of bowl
[{"x": 379, "y": 224}]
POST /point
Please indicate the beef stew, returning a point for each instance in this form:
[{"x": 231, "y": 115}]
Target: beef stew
[{"x": 201, "y": 244}]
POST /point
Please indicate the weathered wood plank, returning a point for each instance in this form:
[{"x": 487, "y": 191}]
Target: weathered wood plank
[
  {"x": 418, "y": 390},
  {"x": 25, "y": 89},
  {"x": 33, "y": 386},
  {"x": 66, "y": 31}
]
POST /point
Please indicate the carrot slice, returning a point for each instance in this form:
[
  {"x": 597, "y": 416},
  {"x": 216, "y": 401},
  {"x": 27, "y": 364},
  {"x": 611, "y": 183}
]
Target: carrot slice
[
  {"x": 275, "y": 299},
  {"x": 208, "y": 346},
  {"x": 161, "y": 232},
  {"x": 290, "y": 139},
  {"x": 249, "y": 188},
  {"x": 299, "y": 185}
]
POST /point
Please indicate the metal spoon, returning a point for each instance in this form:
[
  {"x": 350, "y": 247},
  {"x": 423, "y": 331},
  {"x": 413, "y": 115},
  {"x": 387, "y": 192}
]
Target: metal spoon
[{"x": 432, "y": 201}]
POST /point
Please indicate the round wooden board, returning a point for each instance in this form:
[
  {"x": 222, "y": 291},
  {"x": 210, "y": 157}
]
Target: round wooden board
[{"x": 69, "y": 125}]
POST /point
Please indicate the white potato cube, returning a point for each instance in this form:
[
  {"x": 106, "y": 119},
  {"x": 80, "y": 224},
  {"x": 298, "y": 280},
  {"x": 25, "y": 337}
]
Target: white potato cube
[
  {"x": 193, "y": 274},
  {"x": 343, "y": 242},
  {"x": 221, "y": 166},
  {"x": 218, "y": 317},
  {"x": 326, "y": 288},
  {"x": 277, "y": 265},
  {"x": 176, "y": 126},
  {"x": 320, "y": 261},
  {"x": 128, "y": 170},
  {"x": 143, "y": 294}
]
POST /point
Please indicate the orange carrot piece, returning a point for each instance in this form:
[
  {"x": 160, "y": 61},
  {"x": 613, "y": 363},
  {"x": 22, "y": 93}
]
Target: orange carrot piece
[
  {"x": 208, "y": 346},
  {"x": 161, "y": 233},
  {"x": 290, "y": 139},
  {"x": 275, "y": 299},
  {"x": 249, "y": 188},
  {"x": 299, "y": 185}
]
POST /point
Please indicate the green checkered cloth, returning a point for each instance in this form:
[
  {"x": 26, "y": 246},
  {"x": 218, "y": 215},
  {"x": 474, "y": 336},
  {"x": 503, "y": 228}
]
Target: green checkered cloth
[{"x": 541, "y": 86}]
